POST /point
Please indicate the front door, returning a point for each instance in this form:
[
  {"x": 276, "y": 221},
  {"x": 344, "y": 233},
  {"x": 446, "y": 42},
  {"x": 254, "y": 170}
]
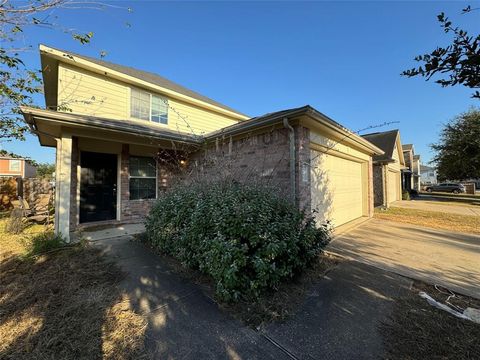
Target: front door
[{"x": 98, "y": 187}]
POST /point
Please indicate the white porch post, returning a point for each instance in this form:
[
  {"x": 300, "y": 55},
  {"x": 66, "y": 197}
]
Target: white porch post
[{"x": 63, "y": 182}]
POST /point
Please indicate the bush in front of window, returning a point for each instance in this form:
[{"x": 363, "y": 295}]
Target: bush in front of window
[{"x": 247, "y": 238}]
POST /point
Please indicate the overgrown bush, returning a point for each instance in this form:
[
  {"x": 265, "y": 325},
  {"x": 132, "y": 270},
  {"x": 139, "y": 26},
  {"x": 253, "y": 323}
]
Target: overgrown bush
[
  {"x": 44, "y": 242},
  {"x": 247, "y": 238}
]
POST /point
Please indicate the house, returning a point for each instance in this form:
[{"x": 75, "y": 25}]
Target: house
[
  {"x": 387, "y": 168},
  {"x": 16, "y": 167},
  {"x": 428, "y": 175},
  {"x": 411, "y": 175},
  {"x": 121, "y": 134}
]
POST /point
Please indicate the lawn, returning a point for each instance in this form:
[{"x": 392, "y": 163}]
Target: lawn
[
  {"x": 432, "y": 219},
  {"x": 417, "y": 330},
  {"x": 63, "y": 304}
]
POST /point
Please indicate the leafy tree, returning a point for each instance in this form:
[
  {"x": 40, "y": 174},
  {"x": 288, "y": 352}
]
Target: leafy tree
[
  {"x": 455, "y": 64},
  {"x": 45, "y": 170},
  {"x": 458, "y": 150},
  {"x": 17, "y": 82}
]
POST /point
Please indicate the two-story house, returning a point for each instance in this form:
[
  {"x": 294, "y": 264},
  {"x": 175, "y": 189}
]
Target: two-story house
[
  {"x": 387, "y": 168},
  {"x": 411, "y": 175},
  {"x": 16, "y": 167},
  {"x": 115, "y": 128},
  {"x": 428, "y": 175}
]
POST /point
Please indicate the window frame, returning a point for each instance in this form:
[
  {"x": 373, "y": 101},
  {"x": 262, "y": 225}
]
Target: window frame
[
  {"x": 151, "y": 95},
  {"x": 142, "y": 177},
  {"x": 14, "y": 161}
]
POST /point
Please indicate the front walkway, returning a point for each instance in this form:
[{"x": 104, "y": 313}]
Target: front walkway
[
  {"x": 338, "y": 320},
  {"x": 434, "y": 256}
]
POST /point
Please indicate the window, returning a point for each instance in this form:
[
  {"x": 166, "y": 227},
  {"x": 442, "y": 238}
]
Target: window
[
  {"x": 143, "y": 178},
  {"x": 14, "y": 165},
  {"x": 145, "y": 106}
]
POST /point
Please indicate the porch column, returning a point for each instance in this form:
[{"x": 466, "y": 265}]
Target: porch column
[{"x": 62, "y": 183}]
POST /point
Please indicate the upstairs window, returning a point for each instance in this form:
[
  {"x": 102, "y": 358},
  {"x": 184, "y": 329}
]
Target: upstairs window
[
  {"x": 14, "y": 165},
  {"x": 143, "y": 178},
  {"x": 146, "y": 106}
]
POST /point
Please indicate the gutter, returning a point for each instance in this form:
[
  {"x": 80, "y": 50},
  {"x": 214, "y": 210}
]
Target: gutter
[{"x": 291, "y": 134}]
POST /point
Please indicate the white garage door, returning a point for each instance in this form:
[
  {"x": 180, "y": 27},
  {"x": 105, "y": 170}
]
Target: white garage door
[
  {"x": 393, "y": 186},
  {"x": 337, "y": 188}
]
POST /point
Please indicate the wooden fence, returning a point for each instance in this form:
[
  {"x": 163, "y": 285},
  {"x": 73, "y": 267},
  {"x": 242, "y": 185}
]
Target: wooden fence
[{"x": 29, "y": 189}]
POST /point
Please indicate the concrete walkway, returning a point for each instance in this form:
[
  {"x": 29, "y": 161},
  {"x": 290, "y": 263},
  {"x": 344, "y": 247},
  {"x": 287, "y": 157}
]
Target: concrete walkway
[
  {"x": 338, "y": 320},
  {"x": 430, "y": 255},
  {"x": 460, "y": 209}
]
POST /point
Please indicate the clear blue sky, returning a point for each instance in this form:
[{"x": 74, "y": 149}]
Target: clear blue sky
[{"x": 343, "y": 58}]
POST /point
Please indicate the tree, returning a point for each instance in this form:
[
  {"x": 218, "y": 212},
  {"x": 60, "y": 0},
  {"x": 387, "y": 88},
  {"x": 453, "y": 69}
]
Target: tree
[
  {"x": 458, "y": 150},
  {"x": 17, "y": 82},
  {"x": 455, "y": 64},
  {"x": 45, "y": 170}
]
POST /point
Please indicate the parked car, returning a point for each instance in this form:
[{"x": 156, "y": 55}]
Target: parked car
[{"x": 446, "y": 187}]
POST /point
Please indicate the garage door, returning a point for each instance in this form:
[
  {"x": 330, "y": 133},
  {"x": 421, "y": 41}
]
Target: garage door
[
  {"x": 337, "y": 188},
  {"x": 393, "y": 186}
]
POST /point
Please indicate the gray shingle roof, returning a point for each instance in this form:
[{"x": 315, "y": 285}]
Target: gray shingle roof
[
  {"x": 152, "y": 78},
  {"x": 407, "y": 147},
  {"x": 384, "y": 140}
]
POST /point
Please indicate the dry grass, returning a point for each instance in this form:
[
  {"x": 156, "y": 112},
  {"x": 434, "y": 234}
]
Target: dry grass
[
  {"x": 64, "y": 305},
  {"x": 417, "y": 330},
  {"x": 432, "y": 219}
]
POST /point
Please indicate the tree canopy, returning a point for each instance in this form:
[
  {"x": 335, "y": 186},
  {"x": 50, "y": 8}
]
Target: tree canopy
[
  {"x": 458, "y": 149},
  {"x": 18, "y": 82},
  {"x": 455, "y": 64}
]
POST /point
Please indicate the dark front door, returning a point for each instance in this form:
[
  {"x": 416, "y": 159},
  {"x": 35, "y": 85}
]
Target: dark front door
[{"x": 98, "y": 187}]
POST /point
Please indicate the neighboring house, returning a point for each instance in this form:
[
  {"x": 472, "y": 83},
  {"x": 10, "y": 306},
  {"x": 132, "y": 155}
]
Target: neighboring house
[
  {"x": 428, "y": 175},
  {"x": 411, "y": 175},
  {"x": 16, "y": 167},
  {"x": 115, "y": 145},
  {"x": 387, "y": 168}
]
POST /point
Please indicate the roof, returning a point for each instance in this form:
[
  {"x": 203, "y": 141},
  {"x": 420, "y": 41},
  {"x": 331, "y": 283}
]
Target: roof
[
  {"x": 416, "y": 157},
  {"x": 384, "y": 140},
  {"x": 124, "y": 126},
  {"x": 65, "y": 119},
  {"x": 407, "y": 147},
  {"x": 278, "y": 116},
  {"x": 426, "y": 168},
  {"x": 151, "y": 78}
]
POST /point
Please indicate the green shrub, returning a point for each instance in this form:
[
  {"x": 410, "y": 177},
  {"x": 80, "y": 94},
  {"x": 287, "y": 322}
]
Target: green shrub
[
  {"x": 405, "y": 195},
  {"x": 44, "y": 242},
  {"x": 247, "y": 238}
]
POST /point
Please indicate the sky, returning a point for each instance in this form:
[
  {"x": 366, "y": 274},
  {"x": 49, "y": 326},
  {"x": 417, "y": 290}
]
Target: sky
[{"x": 343, "y": 58}]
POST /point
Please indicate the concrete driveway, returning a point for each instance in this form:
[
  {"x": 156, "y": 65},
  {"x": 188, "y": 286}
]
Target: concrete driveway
[
  {"x": 434, "y": 256},
  {"x": 444, "y": 207}
]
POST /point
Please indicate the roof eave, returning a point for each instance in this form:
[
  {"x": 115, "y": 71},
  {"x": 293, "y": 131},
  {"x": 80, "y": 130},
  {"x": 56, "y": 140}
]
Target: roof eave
[{"x": 32, "y": 114}]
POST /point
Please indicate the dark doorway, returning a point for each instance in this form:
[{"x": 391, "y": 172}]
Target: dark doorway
[{"x": 98, "y": 187}]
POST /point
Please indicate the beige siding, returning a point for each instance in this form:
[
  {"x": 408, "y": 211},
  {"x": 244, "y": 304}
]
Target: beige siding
[
  {"x": 84, "y": 92},
  {"x": 87, "y": 93},
  {"x": 187, "y": 118}
]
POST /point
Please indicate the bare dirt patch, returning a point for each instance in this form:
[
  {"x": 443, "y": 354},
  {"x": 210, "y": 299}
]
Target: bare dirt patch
[
  {"x": 417, "y": 330},
  {"x": 65, "y": 305},
  {"x": 432, "y": 219}
]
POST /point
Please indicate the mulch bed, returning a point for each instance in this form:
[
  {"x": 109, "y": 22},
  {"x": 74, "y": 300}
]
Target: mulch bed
[{"x": 417, "y": 330}]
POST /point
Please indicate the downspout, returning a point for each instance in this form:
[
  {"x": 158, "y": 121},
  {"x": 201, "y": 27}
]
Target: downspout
[{"x": 292, "y": 158}]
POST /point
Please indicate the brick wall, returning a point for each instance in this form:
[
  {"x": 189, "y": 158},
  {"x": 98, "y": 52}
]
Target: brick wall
[
  {"x": 302, "y": 167},
  {"x": 378, "y": 185},
  {"x": 257, "y": 158}
]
